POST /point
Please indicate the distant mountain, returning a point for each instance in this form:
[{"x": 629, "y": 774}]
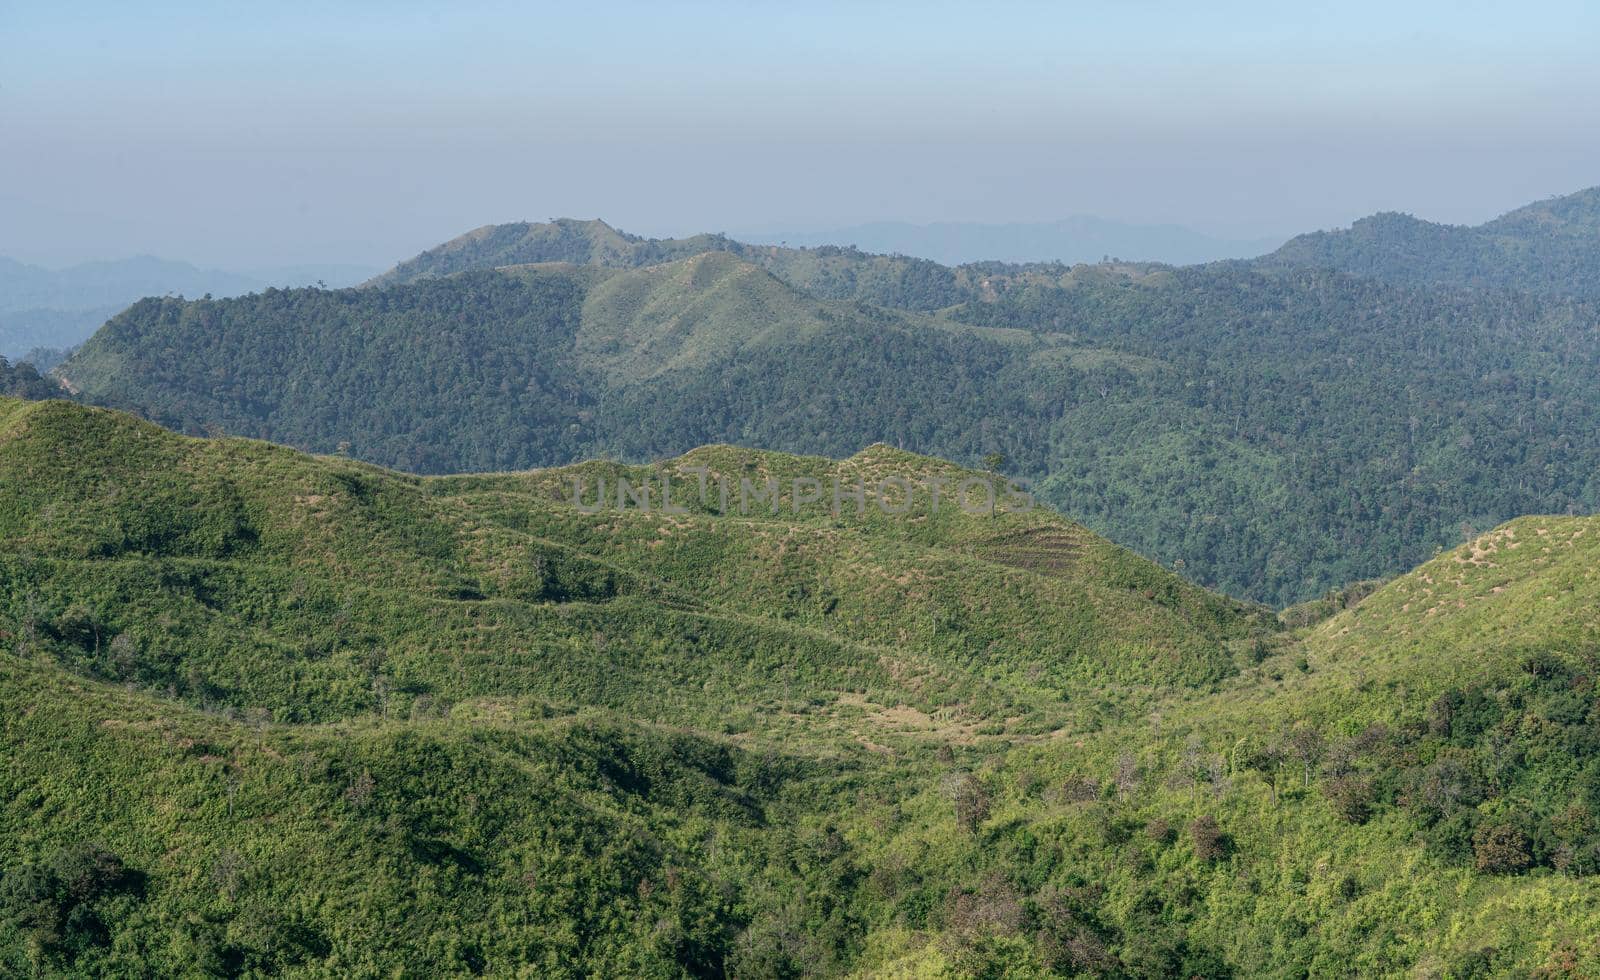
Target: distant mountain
[
  {"x": 542, "y": 364},
  {"x": 100, "y": 284},
  {"x": 61, "y": 307},
  {"x": 1279, "y": 431},
  {"x": 1551, "y": 247},
  {"x": 828, "y": 272},
  {"x": 1073, "y": 240}
]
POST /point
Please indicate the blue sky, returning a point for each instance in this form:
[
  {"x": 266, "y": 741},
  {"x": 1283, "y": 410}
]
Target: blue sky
[{"x": 256, "y": 133}]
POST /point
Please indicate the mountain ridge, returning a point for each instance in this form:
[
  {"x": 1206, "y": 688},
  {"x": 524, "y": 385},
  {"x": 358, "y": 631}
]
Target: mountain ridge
[{"x": 1548, "y": 246}]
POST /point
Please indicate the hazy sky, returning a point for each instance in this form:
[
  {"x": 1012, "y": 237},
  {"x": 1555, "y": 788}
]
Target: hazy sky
[{"x": 269, "y": 133}]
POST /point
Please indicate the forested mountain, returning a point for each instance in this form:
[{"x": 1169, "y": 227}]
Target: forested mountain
[
  {"x": 1278, "y": 431},
  {"x": 272, "y": 705},
  {"x": 1551, "y": 247}
]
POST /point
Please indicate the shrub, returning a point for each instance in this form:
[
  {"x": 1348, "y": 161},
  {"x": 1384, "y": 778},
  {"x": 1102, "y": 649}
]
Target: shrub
[
  {"x": 1210, "y": 843},
  {"x": 1351, "y": 797}
]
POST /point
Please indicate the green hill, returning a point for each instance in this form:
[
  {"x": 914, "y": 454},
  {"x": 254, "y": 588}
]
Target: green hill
[
  {"x": 292, "y": 691},
  {"x": 268, "y": 712},
  {"x": 1551, "y": 247}
]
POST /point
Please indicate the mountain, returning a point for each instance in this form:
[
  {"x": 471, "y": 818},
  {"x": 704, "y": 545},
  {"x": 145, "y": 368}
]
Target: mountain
[
  {"x": 1278, "y": 431},
  {"x": 23, "y": 331},
  {"x": 260, "y": 706},
  {"x": 1074, "y": 240},
  {"x": 1550, "y": 247},
  {"x": 545, "y": 364},
  {"x": 827, "y": 272},
  {"x": 61, "y": 307}
]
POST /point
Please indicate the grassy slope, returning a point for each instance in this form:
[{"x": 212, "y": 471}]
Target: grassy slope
[
  {"x": 685, "y": 315},
  {"x": 309, "y": 700},
  {"x": 307, "y": 697},
  {"x": 1510, "y": 615}
]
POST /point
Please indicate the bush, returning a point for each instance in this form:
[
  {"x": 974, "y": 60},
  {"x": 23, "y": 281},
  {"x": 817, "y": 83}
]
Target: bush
[
  {"x": 1351, "y": 797},
  {"x": 1210, "y": 843}
]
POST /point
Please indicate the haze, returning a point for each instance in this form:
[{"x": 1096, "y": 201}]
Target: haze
[{"x": 363, "y": 132}]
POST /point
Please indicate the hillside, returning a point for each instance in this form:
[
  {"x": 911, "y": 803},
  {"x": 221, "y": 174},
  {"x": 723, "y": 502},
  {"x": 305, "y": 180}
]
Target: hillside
[
  {"x": 1551, "y": 247},
  {"x": 24, "y": 381},
  {"x": 274, "y": 704},
  {"x": 1239, "y": 419},
  {"x": 1410, "y": 786},
  {"x": 462, "y": 699},
  {"x": 544, "y": 364},
  {"x": 477, "y": 546}
]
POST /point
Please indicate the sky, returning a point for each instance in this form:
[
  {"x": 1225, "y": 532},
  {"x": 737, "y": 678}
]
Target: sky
[{"x": 252, "y": 134}]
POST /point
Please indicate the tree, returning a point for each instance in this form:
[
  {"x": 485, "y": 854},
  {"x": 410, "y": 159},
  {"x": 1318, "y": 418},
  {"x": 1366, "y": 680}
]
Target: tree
[
  {"x": 1306, "y": 746},
  {"x": 1351, "y": 797},
  {"x": 1500, "y": 849},
  {"x": 1267, "y": 759},
  {"x": 972, "y": 803}
]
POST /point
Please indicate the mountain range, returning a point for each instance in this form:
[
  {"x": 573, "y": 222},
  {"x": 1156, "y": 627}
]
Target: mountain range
[{"x": 1273, "y": 428}]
